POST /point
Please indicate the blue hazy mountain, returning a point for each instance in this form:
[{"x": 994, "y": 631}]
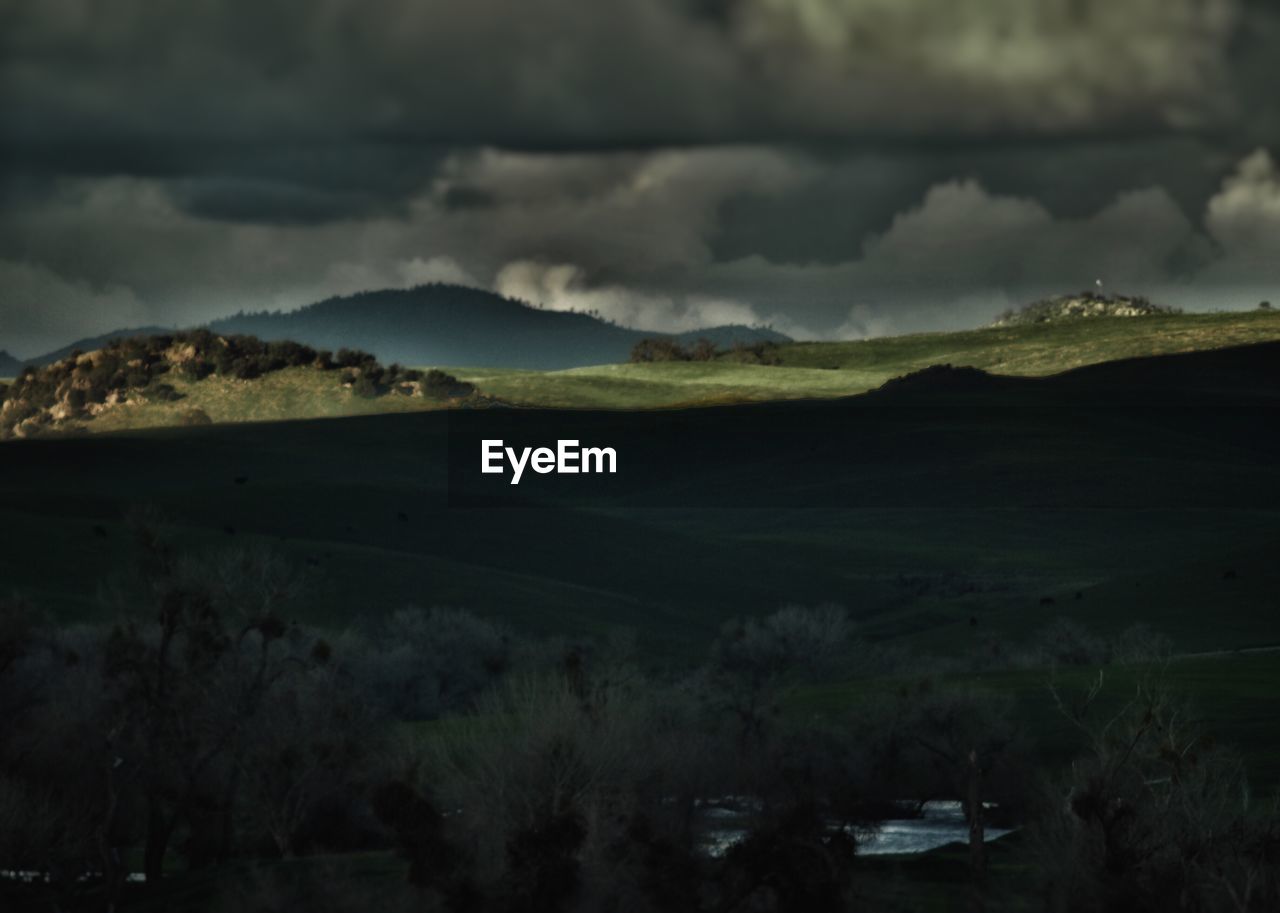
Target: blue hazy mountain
[
  {"x": 456, "y": 325},
  {"x": 439, "y": 325},
  {"x": 9, "y": 366}
]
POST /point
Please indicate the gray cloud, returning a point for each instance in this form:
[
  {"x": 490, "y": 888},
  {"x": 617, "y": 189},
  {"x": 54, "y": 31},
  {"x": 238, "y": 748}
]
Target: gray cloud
[
  {"x": 40, "y": 309},
  {"x": 838, "y": 167},
  {"x": 631, "y": 235},
  {"x": 572, "y": 72}
]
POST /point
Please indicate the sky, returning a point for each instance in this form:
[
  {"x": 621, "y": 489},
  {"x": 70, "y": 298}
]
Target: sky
[{"x": 833, "y": 168}]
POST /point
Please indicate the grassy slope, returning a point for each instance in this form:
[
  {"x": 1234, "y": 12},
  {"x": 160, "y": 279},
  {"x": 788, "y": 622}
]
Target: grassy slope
[
  {"x": 292, "y": 393},
  {"x": 809, "y": 370},
  {"x": 826, "y": 369},
  {"x": 662, "y": 385},
  {"x": 1041, "y": 349}
]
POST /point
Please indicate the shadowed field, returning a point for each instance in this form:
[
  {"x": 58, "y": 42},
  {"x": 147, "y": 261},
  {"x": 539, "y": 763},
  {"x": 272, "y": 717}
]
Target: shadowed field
[{"x": 957, "y": 516}]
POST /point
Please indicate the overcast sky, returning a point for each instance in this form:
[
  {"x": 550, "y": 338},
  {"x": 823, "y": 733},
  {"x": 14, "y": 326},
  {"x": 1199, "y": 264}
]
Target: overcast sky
[{"x": 838, "y": 168}]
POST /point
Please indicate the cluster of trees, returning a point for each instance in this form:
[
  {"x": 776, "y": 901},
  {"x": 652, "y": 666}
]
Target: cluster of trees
[
  {"x": 203, "y": 727},
  {"x": 1064, "y": 641},
  {"x": 1155, "y": 815},
  {"x": 666, "y": 348},
  {"x": 371, "y": 380}
]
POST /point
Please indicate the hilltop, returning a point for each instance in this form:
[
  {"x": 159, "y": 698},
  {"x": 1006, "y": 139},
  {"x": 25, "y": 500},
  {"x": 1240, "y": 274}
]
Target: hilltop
[
  {"x": 199, "y": 377},
  {"x": 1084, "y": 305}
]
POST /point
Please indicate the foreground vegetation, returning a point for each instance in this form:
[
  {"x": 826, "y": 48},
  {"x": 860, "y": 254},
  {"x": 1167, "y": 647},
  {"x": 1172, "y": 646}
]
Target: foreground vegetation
[
  {"x": 433, "y": 760},
  {"x": 231, "y": 692}
]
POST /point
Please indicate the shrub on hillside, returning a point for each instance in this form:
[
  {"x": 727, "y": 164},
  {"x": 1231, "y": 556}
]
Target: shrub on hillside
[
  {"x": 658, "y": 348},
  {"x": 163, "y": 393},
  {"x": 418, "y": 664},
  {"x": 365, "y": 385},
  {"x": 703, "y": 350},
  {"x": 756, "y": 353},
  {"x": 194, "y": 416},
  {"x": 440, "y": 385}
]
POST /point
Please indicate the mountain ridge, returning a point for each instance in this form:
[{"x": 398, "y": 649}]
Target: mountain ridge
[
  {"x": 9, "y": 366},
  {"x": 439, "y": 324}
]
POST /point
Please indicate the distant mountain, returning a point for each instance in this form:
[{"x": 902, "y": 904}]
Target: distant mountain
[
  {"x": 9, "y": 366},
  {"x": 437, "y": 325},
  {"x": 1086, "y": 304},
  {"x": 455, "y": 325},
  {"x": 90, "y": 344}
]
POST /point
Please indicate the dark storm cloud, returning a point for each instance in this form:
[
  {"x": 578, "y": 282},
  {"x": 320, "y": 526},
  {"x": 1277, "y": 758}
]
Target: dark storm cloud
[
  {"x": 860, "y": 193},
  {"x": 575, "y": 72},
  {"x": 840, "y": 167},
  {"x": 634, "y": 236},
  {"x": 355, "y": 100}
]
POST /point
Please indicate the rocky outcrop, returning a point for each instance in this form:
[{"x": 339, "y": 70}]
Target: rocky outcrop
[
  {"x": 70, "y": 392},
  {"x": 1084, "y": 305}
]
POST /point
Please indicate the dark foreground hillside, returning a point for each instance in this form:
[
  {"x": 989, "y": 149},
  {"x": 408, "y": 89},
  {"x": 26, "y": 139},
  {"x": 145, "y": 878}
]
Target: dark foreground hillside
[
  {"x": 799, "y": 613},
  {"x": 1023, "y": 487}
]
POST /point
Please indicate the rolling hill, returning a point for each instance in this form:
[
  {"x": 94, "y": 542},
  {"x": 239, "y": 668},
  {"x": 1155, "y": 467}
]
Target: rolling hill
[
  {"x": 804, "y": 371},
  {"x": 445, "y": 324},
  {"x": 808, "y": 370},
  {"x": 1020, "y": 487}
]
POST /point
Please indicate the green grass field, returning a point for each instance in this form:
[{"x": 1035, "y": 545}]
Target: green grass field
[
  {"x": 291, "y": 393},
  {"x": 809, "y": 370},
  {"x": 815, "y": 370}
]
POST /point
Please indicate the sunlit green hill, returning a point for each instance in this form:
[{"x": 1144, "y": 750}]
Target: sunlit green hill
[
  {"x": 828, "y": 369},
  {"x": 805, "y": 370}
]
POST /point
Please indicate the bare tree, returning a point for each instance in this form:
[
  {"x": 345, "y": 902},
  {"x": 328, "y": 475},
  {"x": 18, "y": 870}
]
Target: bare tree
[
  {"x": 754, "y": 657},
  {"x": 311, "y": 740},
  {"x": 1156, "y": 816}
]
